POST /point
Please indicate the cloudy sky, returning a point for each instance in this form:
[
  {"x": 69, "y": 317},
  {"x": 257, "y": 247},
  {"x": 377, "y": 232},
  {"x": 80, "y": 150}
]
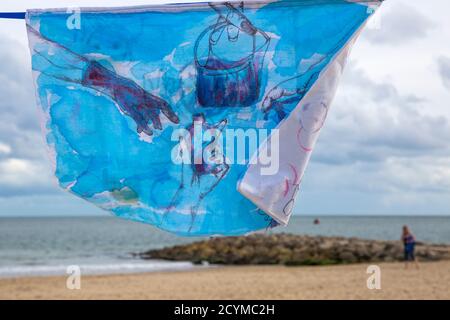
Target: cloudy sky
[{"x": 385, "y": 148}]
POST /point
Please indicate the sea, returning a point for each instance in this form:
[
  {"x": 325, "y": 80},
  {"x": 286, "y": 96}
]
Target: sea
[{"x": 106, "y": 245}]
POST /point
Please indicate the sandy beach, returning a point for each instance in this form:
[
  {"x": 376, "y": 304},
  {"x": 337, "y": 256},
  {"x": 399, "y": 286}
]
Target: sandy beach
[{"x": 432, "y": 281}]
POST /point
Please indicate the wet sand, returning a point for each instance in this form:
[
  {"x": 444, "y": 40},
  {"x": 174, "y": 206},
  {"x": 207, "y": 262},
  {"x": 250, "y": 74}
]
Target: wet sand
[{"x": 432, "y": 281}]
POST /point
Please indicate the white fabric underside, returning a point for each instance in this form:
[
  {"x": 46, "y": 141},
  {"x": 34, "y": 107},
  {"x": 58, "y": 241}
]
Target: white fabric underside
[{"x": 275, "y": 194}]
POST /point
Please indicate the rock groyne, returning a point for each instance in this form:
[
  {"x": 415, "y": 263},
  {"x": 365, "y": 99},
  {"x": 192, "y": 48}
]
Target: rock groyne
[{"x": 289, "y": 249}]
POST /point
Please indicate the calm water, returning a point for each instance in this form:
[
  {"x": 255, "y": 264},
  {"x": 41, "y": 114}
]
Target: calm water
[{"x": 32, "y": 246}]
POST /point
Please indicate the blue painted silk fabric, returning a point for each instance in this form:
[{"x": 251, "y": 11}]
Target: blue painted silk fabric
[{"x": 113, "y": 91}]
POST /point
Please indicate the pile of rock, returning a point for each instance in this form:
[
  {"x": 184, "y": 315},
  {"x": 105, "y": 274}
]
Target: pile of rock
[{"x": 289, "y": 249}]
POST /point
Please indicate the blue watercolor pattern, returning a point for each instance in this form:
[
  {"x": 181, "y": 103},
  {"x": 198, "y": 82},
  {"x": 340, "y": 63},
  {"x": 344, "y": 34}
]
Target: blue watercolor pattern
[{"x": 114, "y": 91}]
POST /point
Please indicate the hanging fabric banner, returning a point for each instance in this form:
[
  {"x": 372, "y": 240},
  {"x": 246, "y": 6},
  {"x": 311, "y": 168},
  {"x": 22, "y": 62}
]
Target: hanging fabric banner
[{"x": 198, "y": 118}]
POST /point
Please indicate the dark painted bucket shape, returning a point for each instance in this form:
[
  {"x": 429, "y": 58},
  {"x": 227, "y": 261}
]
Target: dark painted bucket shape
[{"x": 222, "y": 83}]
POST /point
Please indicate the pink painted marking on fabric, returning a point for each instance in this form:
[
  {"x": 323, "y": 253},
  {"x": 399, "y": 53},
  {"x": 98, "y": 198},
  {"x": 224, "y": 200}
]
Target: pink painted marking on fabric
[
  {"x": 295, "y": 173},
  {"x": 306, "y": 149},
  {"x": 286, "y": 187}
]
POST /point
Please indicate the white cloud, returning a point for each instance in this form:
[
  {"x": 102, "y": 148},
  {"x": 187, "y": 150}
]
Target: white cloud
[
  {"x": 399, "y": 23},
  {"x": 20, "y": 177},
  {"x": 4, "y": 148}
]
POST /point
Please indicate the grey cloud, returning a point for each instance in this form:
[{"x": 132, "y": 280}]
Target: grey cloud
[
  {"x": 372, "y": 122},
  {"x": 20, "y": 128},
  {"x": 444, "y": 70},
  {"x": 401, "y": 24},
  {"x": 378, "y": 92}
]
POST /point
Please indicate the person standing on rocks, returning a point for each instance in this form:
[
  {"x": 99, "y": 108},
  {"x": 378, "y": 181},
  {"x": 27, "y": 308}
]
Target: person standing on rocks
[{"x": 409, "y": 243}]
